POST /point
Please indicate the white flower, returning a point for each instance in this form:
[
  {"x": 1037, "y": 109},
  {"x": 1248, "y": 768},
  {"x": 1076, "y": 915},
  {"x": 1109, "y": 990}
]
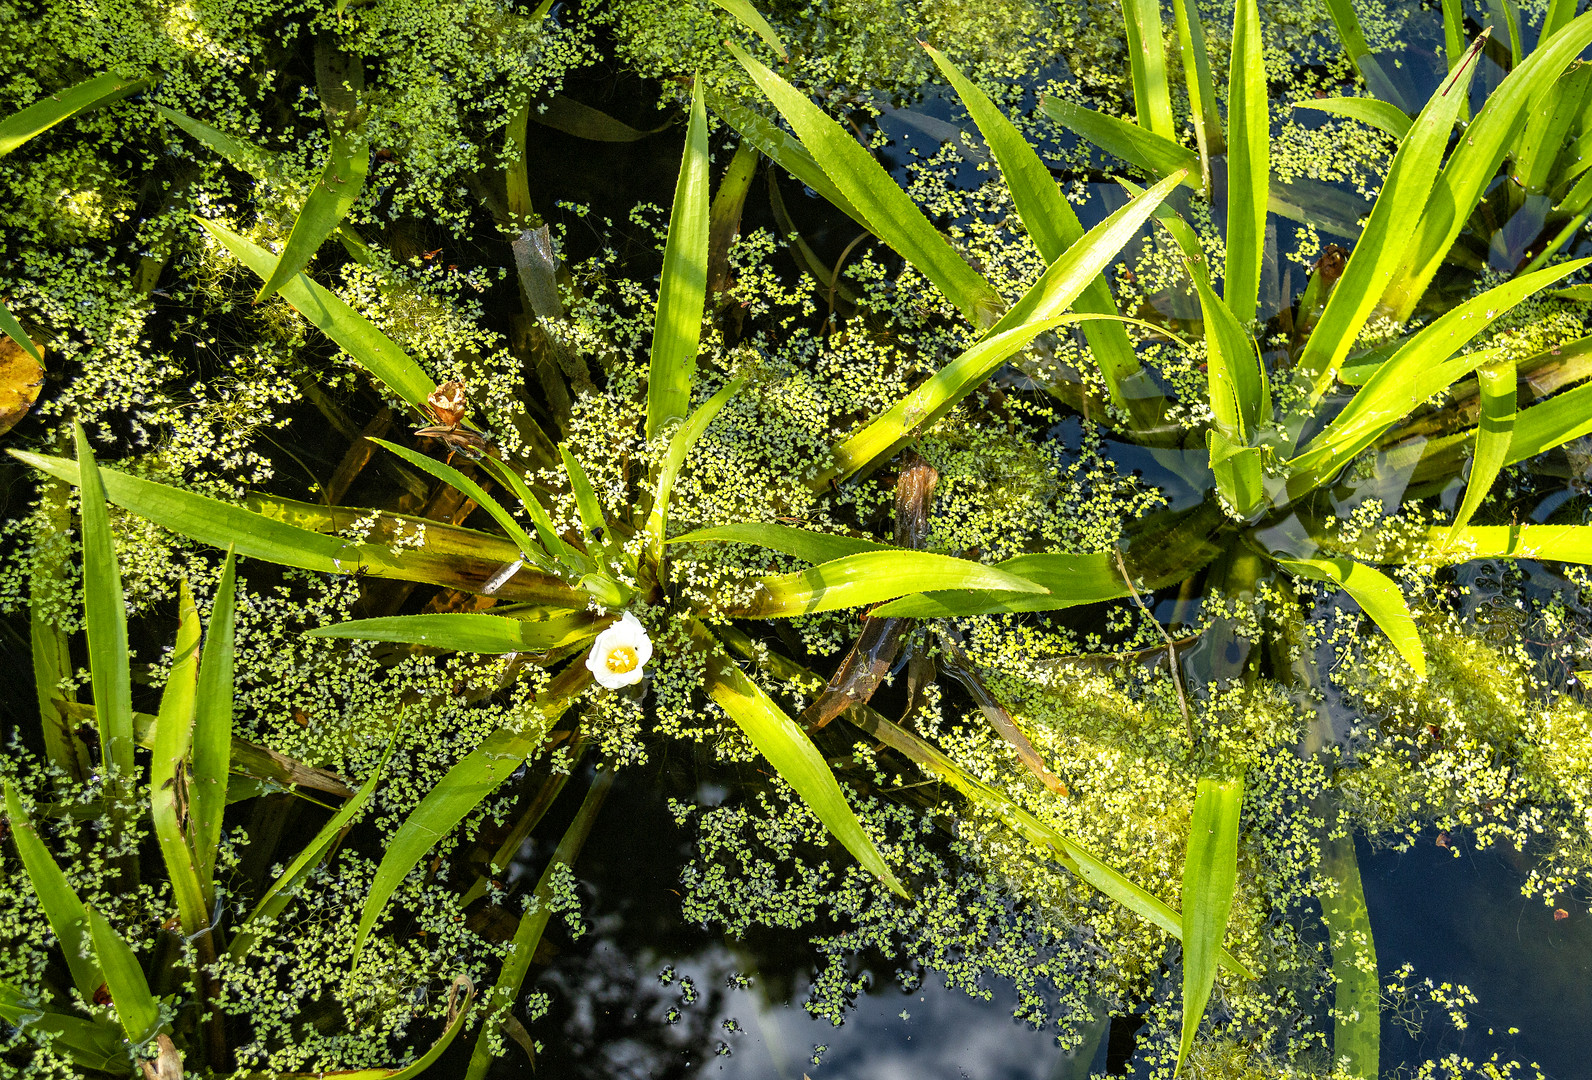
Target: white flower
[{"x": 620, "y": 652}]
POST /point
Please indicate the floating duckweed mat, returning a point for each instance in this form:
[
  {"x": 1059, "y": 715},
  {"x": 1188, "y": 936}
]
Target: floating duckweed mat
[{"x": 1038, "y": 491}]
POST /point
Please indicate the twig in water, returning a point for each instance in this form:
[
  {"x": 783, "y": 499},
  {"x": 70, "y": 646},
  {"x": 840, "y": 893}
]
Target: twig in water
[{"x": 1171, "y": 646}]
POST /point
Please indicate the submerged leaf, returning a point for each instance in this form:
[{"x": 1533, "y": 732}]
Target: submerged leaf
[
  {"x": 1357, "y": 1003},
  {"x": 532, "y": 924},
  {"x": 21, "y": 373}
]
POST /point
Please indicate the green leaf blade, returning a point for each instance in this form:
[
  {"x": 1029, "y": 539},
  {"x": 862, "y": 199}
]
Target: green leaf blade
[
  {"x": 1210, "y": 878},
  {"x": 1357, "y": 991},
  {"x": 1498, "y": 390},
  {"x": 212, "y": 729},
  {"x": 1248, "y": 164},
  {"x": 528, "y": 934},
  {"x": 1049, "y": 218},
  {"x": 1071, "y": 579},
  {"x": 793, "y": 755},
  {"x": 1476, "y": 159},
  {"x": 92, "y": 1044},
  {"x": 874, "y": 576},
  {"x": 1156, "y": 154},
  {"x": 62, "y": 907},
  {"x": 14, "y": 331},
  {"x": 173, "y": 740},
  {"x": 328, "y": 204},
  {"x": 1386, "y": 239},
  {"x": 1378, "y": 596},
  {"x": 468, "y": 631},
  {"x": 680, "y": 445},
  {"x": 44, "y": 114},
  {"x": 354, "y": 334},
  {"x": 1152, "y": 96},
  {"x": 105, "y": 612},
  {"x": 890, "y": 211},
  {"x": 472, "y": 779},
  {"x": 804, "y": 544},
  {"x": 136, "y": 1007},
  {"x": 754, "y": 21},
  {"x": 460, "y": 482},
  {"x": 1368, "y": 110},
  {"x": 1038, "y": 310},
  {"x": 677, "y": 329}
]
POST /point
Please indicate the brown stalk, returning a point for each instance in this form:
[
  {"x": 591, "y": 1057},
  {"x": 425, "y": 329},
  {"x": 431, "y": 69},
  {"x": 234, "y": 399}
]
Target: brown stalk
[
  {"x": 960, "y": 668},
  {"x": 876, "y": 648}
]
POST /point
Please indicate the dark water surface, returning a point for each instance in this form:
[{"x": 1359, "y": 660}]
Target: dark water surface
[{"x": 1458, "y": 919}]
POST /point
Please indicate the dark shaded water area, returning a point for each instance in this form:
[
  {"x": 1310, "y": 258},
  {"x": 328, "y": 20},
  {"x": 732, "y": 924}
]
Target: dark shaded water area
[{"x": 644, "y": 994}]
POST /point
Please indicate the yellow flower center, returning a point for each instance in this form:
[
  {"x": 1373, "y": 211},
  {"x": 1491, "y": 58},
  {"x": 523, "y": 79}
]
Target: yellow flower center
[{"x": 621, "y": 658}]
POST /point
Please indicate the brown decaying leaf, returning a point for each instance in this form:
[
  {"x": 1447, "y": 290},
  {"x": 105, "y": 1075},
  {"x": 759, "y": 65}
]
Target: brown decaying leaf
[
  {"x": 165, "y": 1065},
  {"x": 21, "y": 378}
]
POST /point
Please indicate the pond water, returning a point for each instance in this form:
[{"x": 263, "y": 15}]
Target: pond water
[{"x": 642, "y": 995}]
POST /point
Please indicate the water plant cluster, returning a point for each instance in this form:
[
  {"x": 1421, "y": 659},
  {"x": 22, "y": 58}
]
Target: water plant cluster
[{"x": 1066, "y": 473}]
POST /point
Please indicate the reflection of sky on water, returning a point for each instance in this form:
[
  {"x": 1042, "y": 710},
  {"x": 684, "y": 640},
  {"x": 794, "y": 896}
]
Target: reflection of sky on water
[{"x": 945, "y": 1035}]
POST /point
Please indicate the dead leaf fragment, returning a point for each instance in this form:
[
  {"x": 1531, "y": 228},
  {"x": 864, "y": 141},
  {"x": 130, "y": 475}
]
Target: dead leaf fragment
[
  {"x": 167, "y": 1065},
  {"x": 21, "y": 379}
]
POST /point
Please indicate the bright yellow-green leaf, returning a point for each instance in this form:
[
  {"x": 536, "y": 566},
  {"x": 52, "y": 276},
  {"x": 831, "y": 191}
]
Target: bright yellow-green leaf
[
  {"x": 1210, "y": 876},
  {"x": 375, "y": 351},
  {"x": 1378, "y": 596},
  {"x": 677, "y": 330},
  {"x": 1071, "y": 579},
  {"x": 1385, "y": 242},
  {"x": 754, "y": 21},
  {"x": 1496, "y": 382},
  {"x": 1152, "y": 98},
  {"x": 874, "y": 576},
  {"x": 469, "y": 631},
  {"x": 1248, "y": 163},
  {"x": 1051, "y": 223},
  {"x": 1368, "y": 110},
  {"x": 168, "y": 773}
]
